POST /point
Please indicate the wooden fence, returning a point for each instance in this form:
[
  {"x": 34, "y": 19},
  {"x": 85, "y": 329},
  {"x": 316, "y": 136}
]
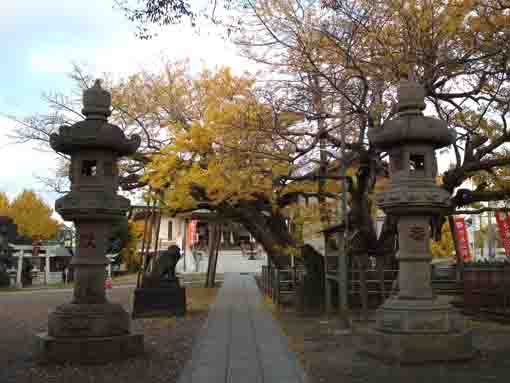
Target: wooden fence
[
  {"x": 487, "y": 289},
  {"x": 280, "y": 285},
  {"x": 484, "y": 289}
]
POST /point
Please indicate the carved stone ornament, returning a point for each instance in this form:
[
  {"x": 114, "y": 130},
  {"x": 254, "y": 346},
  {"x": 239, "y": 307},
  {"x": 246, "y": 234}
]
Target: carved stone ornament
[{"x": 417, "y": 233}]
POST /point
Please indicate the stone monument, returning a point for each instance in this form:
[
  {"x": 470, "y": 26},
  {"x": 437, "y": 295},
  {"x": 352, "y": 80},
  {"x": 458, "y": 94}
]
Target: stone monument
[
  {"x": 415, "y": 325},
  {"x": 161, "y": 293},
  {"x": 90, "y": 329}
]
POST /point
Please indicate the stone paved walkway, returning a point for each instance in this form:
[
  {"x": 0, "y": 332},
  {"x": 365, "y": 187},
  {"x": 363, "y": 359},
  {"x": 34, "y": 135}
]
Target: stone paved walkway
[{"x": 241, "y": 342}]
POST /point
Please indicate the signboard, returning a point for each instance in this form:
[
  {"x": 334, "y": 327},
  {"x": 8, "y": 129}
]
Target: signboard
[
  {"x": 503, "y": 221},
  {"x": 462, "y": 238}
]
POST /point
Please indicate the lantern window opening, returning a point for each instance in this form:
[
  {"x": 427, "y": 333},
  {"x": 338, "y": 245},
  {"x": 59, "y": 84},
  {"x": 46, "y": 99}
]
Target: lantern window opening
[
  {"x": 417, "y": 162},
  {"x": 89, "y": 168}
]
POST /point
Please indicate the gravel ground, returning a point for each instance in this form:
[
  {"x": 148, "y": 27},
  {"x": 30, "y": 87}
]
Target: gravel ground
[
  {"x": 168, "y": 342},
  {"x": 331, "y": 357}
]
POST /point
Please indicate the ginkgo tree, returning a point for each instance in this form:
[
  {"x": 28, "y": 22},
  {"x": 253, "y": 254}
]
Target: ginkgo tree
[
  {"x": 31, "y": 215},
  {"x": 4, "y": 204},
  {"x": 228, "y": 157}
]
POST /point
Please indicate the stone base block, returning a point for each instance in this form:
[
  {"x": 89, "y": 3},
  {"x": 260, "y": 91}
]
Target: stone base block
[
  {"x": 417, "y": 348},
  {"x": 91, "y": 350},
  {"x": 418, "y": 316},
  {"x": 88, "y": 320},
  {"x": 159, "y": 302}
]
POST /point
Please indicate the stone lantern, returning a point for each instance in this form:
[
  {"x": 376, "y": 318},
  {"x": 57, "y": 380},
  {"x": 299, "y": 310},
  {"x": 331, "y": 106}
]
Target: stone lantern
[
  {"x": 89, "y": 328},
  {"x": 415, "y": 325}
]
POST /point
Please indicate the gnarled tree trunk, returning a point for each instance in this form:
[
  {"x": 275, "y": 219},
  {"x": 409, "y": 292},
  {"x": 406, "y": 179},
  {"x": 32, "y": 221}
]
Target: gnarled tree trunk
[{"x": 269, "y": 228}]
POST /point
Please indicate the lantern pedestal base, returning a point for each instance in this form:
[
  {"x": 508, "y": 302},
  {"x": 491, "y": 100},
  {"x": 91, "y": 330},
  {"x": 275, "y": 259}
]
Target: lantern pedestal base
[
  {"x": 417, "y": 348},
  {"x": 88, "y": 320},
  {"x": 88, "y": 334},
  {"x": 418, "y": 331},
  {"x": 87, "y": 350}
]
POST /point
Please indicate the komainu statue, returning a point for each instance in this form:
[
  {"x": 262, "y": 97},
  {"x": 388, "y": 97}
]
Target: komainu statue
[
  {"x": 162, "y": 272},
  {"x": 161, "y": 294}
]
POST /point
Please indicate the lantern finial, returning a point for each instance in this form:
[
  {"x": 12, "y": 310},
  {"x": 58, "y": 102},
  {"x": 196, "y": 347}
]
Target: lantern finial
[
  {"x": 96, "y": 102},
  {"x": 411, "y": 97}
]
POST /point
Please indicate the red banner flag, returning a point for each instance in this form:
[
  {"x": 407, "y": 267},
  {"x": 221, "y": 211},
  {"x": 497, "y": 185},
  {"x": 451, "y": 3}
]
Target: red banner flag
[
  {"x": 462, "y": 238},
  {"x": 192, "y": 233},
  {"x": 504, "y": 226}
]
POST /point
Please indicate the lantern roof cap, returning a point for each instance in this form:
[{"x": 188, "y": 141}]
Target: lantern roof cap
[
  {"x": 94, "y": 132},
  {"x": 410, "y": 126}
]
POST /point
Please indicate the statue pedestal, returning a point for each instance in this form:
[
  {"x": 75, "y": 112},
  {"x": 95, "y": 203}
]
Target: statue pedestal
[
  {"x": 417, "y": 331},
  {"x": 167, "y": 299}
]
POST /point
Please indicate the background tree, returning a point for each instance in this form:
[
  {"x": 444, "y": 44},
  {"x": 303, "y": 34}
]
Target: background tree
[
  {"x": 4, "y": 204},
  {"x": 445, "y": 247},
  {"x": 129, "y": 254},
  {"x": 148, "y": 13},
  {"x": 33, "y": 216},
  {"x": 7, "y": 231}
]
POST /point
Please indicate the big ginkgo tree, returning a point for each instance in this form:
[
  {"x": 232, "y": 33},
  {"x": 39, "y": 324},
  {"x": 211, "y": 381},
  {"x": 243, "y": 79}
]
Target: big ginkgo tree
[{"x": 228, "y": 155}]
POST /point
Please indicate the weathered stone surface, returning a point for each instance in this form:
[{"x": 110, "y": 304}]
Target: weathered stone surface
[
  {"x": 91, "y": 320},
  {"x": 157, "y": 302},
  {"x": 417, "y": 348},
  {"x": 87, "y": 350},
  {"x": 419, "y": 317}
]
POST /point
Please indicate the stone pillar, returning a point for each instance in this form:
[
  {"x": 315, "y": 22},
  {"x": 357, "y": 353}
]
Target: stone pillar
[
  {"x": 19, "y": 283},
  {"x": 47, "y": 268},
  {"x": 89, "y": 263},
  {"x": 414, "y": 257}
]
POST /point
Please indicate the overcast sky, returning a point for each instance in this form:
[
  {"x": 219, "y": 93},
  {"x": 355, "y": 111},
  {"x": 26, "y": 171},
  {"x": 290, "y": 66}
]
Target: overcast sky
[{"x": 41, "y": 39}]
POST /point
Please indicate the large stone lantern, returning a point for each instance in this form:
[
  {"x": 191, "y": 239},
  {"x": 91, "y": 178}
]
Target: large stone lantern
[
  {"x": 415, "y": 325},
  {"x": 89, "y": 328}
]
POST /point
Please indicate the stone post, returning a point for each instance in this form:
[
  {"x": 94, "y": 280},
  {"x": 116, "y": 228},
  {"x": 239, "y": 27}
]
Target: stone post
[
  {"x": 19, "y": 283},
  {"x": 47, "y": 268},
  {"x": 90, "y": 329}
]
